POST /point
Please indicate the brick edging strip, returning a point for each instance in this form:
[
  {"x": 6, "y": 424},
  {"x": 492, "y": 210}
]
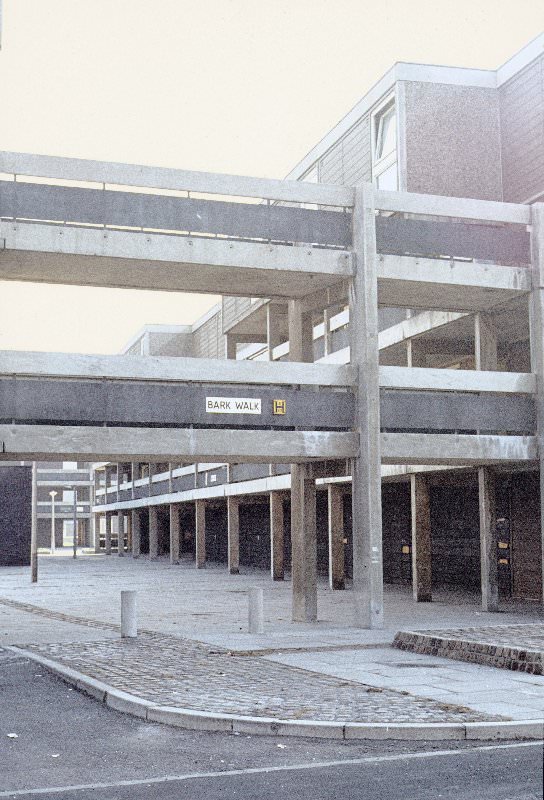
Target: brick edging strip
[{"x": 268, "y": 726}]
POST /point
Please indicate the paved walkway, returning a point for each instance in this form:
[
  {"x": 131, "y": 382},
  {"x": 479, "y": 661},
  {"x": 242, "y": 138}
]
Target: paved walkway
[
  {"x": 179, "y": 672},
  {"x": 195, "y": 651}
]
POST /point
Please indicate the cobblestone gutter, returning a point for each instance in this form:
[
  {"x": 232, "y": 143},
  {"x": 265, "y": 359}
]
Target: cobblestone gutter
[{"x": 515, "y": 647}]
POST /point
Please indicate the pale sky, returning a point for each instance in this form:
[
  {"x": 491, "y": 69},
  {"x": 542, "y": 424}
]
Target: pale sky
[{"x": 236, "y": 86}]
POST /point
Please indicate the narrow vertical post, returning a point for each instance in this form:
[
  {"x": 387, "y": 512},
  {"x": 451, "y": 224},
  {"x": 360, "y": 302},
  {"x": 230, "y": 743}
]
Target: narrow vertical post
[
  {"x": 108, "y": 534},
  {"x": 74, "y": 517},
  {"x": 485, "y": 342},
  {"x": 536, "y": 317},
  {"x": 53, "y": 542},
  {"x": 129, "y": 618},
  {"x": 120, "y": 533},
  {"x": 128, "y": 523},
  {"x": 303, "y": 544},
  {"x": 153, "y": 533},
  {"x": 336, "y": 536},
  {"x": 200, "y": 533},
  {"x": 327, "y": 337},
  {"x": 277, "y": 570},
  {"x": 34, "y": 526},
  {"x": 421, "y": 539},
  {"x": 174, "y": 533},
  {"x": 256, "y": 610},
  {"x": 231, "y": 346},
  {"x": 488, "y": 543},
  {"x": 136, "y": 533},
  {"x": 233, "y": 523},
  {"x": 366, "y": 468}
]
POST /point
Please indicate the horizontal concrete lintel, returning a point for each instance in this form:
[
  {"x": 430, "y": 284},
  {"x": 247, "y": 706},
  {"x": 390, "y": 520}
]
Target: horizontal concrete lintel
[
  {"x": 82, "y": 256},
  {"x": 88, "y": 443},
  {"x": 78, "y": 169},
  {"x": 457, "y": 380},
  {"x": 171, "y": 369},
  {"x": 467, "y": 275},
  {"x": 424, "y": 448},
  {"x": 462, "y": 208}
]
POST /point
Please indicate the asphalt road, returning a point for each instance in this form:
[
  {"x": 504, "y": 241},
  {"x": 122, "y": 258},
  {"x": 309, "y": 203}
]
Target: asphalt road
[{"x": 69, "y": 746}]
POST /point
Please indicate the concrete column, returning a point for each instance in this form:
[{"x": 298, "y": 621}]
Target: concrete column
[
  {"x": 303, "y": 544},
  {"x": 128, "y": 523},
  {"x": 488, "y": 540},
  {"x": 200, "y": 533},
  {"x": 301, "y": 333},
  {"x": 336, "y": 536},
  {"x": 108, "y": 533},
  {"x": 231, "y": 346},
  {"x": 95, "y": 523},
  {"x": 536, "y": 316},
  {"x": 327, "y": 337},
  {"x": 120, "y": 533},
  {"x": 366, "y": 469},
  {"x": 153, "y": 533},
  {"x": 421, "y": 539},
  {"x": 277, "y": 570},
  {"x": 136, "y": 533},
  {"x": 273, "y": 328},
  {"x": 233, "y": 520},
  {"x": 485, "y": 342},
  {"x": 174, "y": 533}
]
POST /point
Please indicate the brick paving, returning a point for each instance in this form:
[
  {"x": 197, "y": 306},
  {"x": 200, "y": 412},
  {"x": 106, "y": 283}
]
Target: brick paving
[
  {"x": 179, "y": 672},
  {"x": 515, "y": 647}
]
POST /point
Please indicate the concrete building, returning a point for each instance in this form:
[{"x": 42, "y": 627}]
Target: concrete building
[
  {"x": 56, "y": 483},
  {"x": 382, "y": 361},
  {"x": 427, "y": 130}
]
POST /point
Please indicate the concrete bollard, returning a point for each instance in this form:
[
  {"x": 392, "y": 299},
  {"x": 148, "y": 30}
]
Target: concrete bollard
[
  {"x": 256, "y": 611},
  {"x": 129, "y": 621}
]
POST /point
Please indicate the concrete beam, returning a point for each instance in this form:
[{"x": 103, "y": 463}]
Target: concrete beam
[
  {"x": 463, "y": 208},
  {"x": 169, "y": 369},
  {"x": 457, "y": 380},
  {"x": 447, "y": 285},
  {"x": 108, "y": 172},
  {"x": 454, "y": 449},
  {"x": 88, "y": 443},
  {"x": 132, "y": 259}
]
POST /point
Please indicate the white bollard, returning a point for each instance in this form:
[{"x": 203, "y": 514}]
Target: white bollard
[
  {"x": 129, "y": 621},
  {"x": 256, "y": 611}
]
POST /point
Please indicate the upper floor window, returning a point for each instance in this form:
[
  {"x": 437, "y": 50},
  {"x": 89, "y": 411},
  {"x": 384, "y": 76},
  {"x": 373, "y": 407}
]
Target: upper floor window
[{"x": 384, "y": 146}]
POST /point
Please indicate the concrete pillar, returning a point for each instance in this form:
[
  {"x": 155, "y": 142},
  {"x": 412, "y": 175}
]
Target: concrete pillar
[
  {"x": 485, "y": 342},
  {"x": 153, "y": 533},
  {"x": 303, "y": 544},
  {"x": 273, "y": 328},
  {"x": 174, "y": 533},
  {"x": 200, "y": 533},
  {"x": 327, "y": 337},
  {"x": 536, "y": 317},
  {"x": 336, "y": 536},
  {"x": 120, "y": 533},
  {"x": 95, "y": 523},
  {"x": 421, "y": 539},
  {"x": 301, "y": 333},
  {"x": 366, "y": 469},
  {"x": 128, "y": 523},
  {"x": 231, "y": 346},
  {"x": 277, "y": 570},
  {"x": 233, "y": 521},
  {"x": 108, "y": 534},
  {"x": 136, "y": 533},
  {"x": 488, "y": 540}
]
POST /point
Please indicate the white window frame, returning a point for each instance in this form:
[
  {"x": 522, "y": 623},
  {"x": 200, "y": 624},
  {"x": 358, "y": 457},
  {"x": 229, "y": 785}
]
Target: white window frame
[{"x": 379, "y": 166}]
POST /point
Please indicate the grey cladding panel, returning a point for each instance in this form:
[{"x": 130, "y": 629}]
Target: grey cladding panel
[
  {"x": 451, "y": 411},
  {"x": 158, "y": 404},
  {"x": 522, "y": 133},
  {"x": 160, "y": 212},
  {"x": 507, "y": 245}
]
